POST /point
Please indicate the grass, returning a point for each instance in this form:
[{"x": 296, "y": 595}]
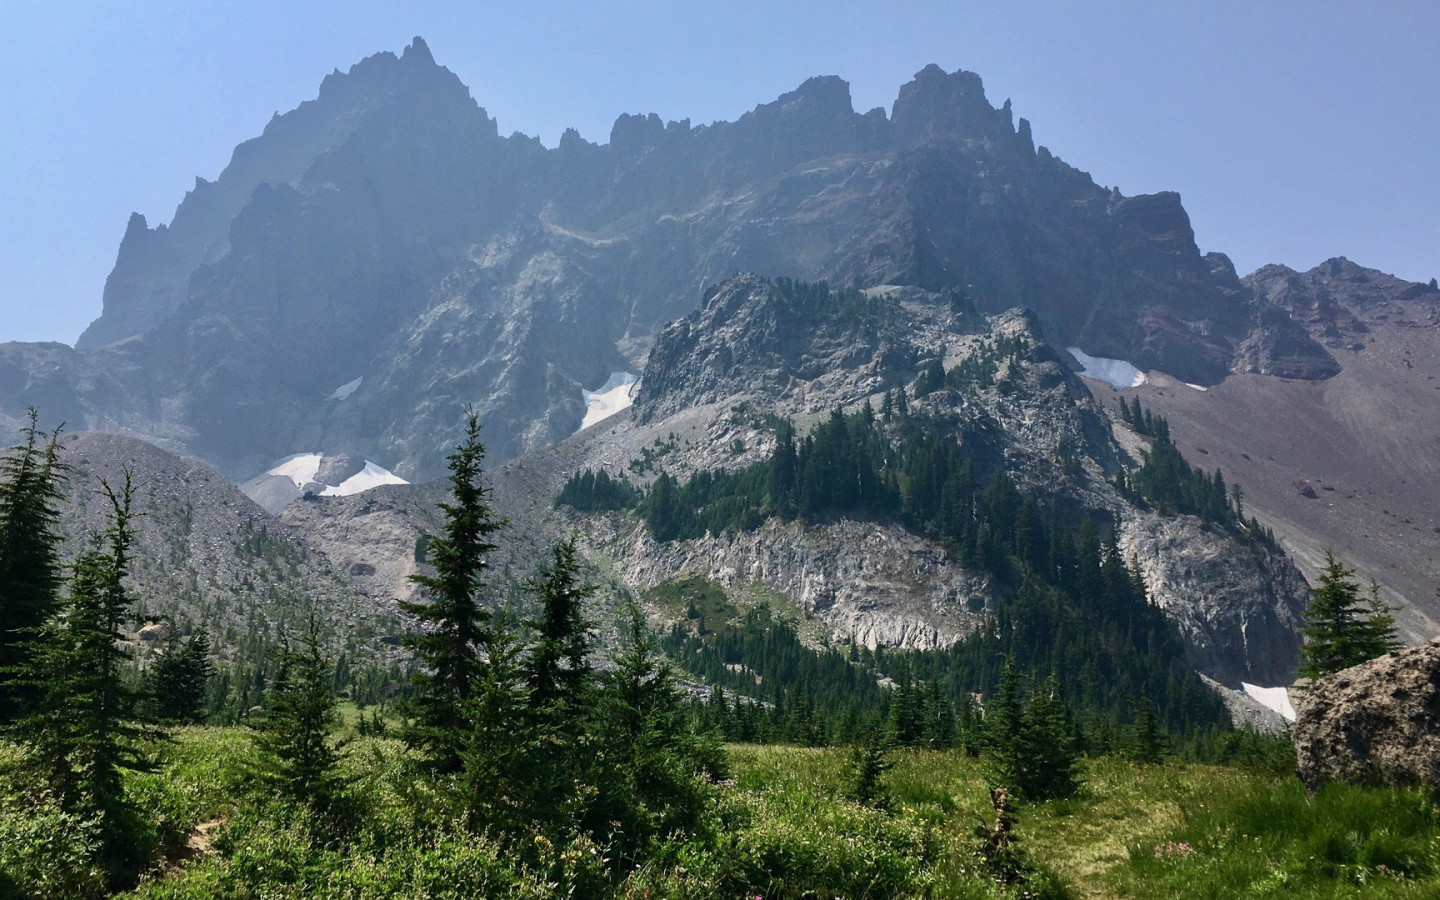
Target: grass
[{"x": 787, "y": 830}]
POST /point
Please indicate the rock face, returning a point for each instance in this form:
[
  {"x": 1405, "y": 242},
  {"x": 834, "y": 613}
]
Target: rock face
[
  {"x": 1238, "y": 606},
  {"x": 870, "y": 583},
  {"x": 385, "y": 238},
  {"x": 1375, "y": 723}
]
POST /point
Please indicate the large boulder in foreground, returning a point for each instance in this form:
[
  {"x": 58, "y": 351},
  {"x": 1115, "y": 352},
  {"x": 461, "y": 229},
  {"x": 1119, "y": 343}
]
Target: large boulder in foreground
[{"x": 1375, "y": 723}]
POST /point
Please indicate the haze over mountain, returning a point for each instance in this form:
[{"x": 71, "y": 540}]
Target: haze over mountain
[{"x": 381, "y": 258}]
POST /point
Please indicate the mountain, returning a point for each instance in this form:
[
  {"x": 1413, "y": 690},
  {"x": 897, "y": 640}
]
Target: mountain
[
  {"x": 1351, "y": 462},
  {"x": 760, "y": 352},
  {"x": 380, "y": 258},
  {"x": 205, "y": 554},
  {"x": 319, "y": 318}
]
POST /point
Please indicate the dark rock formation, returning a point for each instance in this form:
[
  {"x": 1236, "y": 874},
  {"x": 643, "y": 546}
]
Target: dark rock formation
[
  {"x": 386, "y": 230},
  {"x": 1375, "y": 723}
]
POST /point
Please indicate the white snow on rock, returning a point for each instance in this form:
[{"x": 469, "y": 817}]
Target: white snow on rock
[
  {"x": 300, "y": 468},
  {"x": 1112, "y": 371},
  {"x": 371, "y": 476},
  {"x": 344, "y": 391},
  {"x": 1276, "y": 698},
  {"x": 614, "y": 395}
]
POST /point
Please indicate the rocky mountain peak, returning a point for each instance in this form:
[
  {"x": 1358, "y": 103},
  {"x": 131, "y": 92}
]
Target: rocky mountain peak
[{"x": 940, "y": 106}]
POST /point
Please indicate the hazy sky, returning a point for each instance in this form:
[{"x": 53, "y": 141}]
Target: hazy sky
[{"x": 1294, "y": 131}]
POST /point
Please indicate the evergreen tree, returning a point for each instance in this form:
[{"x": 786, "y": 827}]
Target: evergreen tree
[
  {"x": 1049, "y": 754},
  {"x": 652, "y": 764},
  {"x": 1148, "y": 744},
  {"x": 292, "y": 738},
  {"x": 560, "y": 681},
  {"x": 1003, "y": 724},
  {"x": 78, "y": 724},
  {"x": 1340, "y": 631},
  {"x": 178, "y": 678},
  {"x": 455, "y": 625},
  {"x": 498, "y": 764},
  {"x": 31, "y": 479},
  {"x": 868, "y": 764}
]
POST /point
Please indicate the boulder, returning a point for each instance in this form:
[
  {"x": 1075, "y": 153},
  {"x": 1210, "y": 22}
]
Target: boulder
[{"x": 1375, "y": 723}]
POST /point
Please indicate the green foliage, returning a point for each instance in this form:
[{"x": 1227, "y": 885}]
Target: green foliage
[
  {"x": 1271, "y": 839},
  {"x": 1170, "y": 485},
  {"x": 46, "y": 850},
  {"x": 1032, "y": 747},
  {"x": 292, "y": 737},
  {"x": 1070, "y": 605},
  {"x": 1342, "y": 630},
  {"x": 654, "y": 769},
  {"x": 590, "y": 491},
  {"x": 178, "y": 678},
  {"x": 32, "y": 477},
  {"x": 455, "y": 625},
  {"x": 868, "y": 765},
  {"x": 79, "y": 725}
]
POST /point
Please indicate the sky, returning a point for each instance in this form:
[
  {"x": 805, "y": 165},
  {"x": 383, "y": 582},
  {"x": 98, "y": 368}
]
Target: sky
[{"x": 1294, "y": 131}]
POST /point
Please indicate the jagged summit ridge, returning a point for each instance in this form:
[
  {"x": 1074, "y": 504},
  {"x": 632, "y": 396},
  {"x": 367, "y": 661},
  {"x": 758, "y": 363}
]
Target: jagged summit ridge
[{"x": 386, "y": 231}]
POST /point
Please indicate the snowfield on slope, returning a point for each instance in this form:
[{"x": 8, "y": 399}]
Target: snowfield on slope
[
  {"x": 302, "y": 468},
  {"x": 617, "y": 393},
  {"x": 1111, "y": 371},
  {"x": 1276, "y": 698}
]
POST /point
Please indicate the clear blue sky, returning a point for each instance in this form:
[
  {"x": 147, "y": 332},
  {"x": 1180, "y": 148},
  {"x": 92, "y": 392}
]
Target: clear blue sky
[{"x": 1295, "y": 131}]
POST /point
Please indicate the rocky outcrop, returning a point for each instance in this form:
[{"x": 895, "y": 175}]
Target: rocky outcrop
[
  {"x": 1238, "y": 604},
  {"x": 1334, "y": 300},
  {"x": 1375, "y": 723},
  {"x": 870, "y": 583}
]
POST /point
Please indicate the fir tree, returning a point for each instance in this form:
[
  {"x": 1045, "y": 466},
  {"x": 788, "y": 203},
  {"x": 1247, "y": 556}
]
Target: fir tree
[
  {"x": 1148, "y": 743},
  {"x": 868, "y": 764},
  {"x": 560, "y": 680},
  {"x": 455, "y": 625},
  {"x": 1339, "y": 630},
  {"x": 293, "y": 736},
  {"x": 178, "y": 677},
  {"x": 652, "y": 764},
  {"x": 1048, "y": 752},
  {"x": 498, "y": 764},
  {"x": 78, "y": 724},
  {"x": 31, "y": 479}
]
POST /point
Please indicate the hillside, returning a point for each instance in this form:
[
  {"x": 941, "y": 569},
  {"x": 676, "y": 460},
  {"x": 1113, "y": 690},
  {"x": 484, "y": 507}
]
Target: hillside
[{"x": 1352, "y": 462}]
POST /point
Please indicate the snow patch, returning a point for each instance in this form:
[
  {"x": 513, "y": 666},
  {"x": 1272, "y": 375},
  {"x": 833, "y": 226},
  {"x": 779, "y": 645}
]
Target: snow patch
[
  {"x": 617, "y": 393},
  {"x": 344, "y": 391},
  {"x": 372, "y": 476},
  {"x": 1276, "y": 698},
  {"x": 1111, "y": 371},
  {"x": 300, "y": 468},
  {"x": 1202, "y": 389}
]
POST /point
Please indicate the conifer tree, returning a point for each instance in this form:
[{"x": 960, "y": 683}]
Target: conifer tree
[
  {"x": 498, "y": 764},
  {"x": 293, "y": 736},
  {"x": 868, "y": 764},
  {"x": 1003, "y": 724},
  {"x": 1148, "y": 744},
  {"x": 1049, "y": 754},
  {"x": 652, "y": 763},
  {"x": 178, "y": 678},
  {"x": 31, "y": 479},
  {"x": 1340, "y": 631},
  {"x": 455, "y": 625},
  {"x": 78, "y": 722},
  {"x": 560, "y": 680}
]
